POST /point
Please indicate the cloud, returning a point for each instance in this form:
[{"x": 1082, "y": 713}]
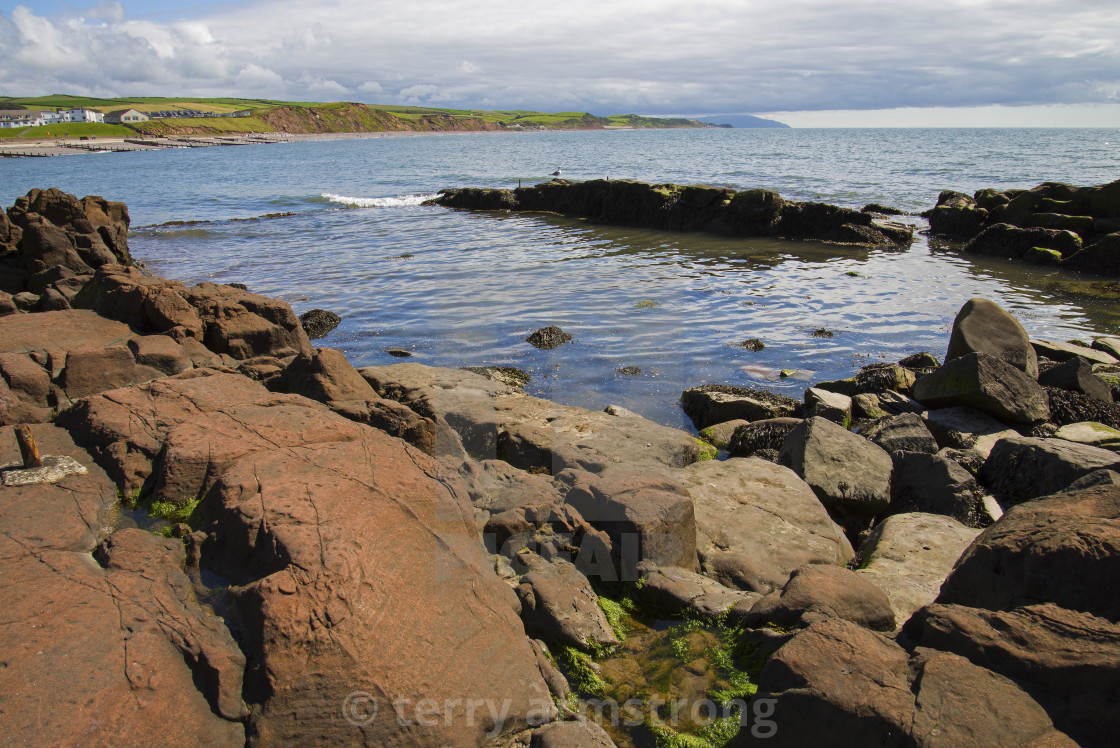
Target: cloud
[{"x": 670, "y": 56}]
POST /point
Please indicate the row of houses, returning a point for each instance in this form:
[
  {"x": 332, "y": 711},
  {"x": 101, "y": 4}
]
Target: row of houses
[{"x": 30, "y": 118}]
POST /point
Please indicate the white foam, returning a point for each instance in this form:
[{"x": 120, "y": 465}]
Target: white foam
[{"x": 378, "y": 202}]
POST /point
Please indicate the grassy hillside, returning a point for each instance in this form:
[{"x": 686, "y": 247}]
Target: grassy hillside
[
  {"x": 316, "y": 117},
  {"x": 68, "y": 130}
]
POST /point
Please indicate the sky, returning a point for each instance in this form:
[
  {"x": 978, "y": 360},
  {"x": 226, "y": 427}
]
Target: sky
[{"x": 809, "y": 63}]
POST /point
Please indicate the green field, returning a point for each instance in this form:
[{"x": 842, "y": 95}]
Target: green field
[{"x": 306, "y": 117}]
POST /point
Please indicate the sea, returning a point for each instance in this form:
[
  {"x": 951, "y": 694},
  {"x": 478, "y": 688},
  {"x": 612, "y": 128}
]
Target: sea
[{"x": 341, "y": 225}]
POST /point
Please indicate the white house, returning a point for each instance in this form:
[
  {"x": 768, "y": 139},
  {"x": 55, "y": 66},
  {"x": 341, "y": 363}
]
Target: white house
[
  {"x": 26, "y": 118},
  {"x": 83, "y": 115}
]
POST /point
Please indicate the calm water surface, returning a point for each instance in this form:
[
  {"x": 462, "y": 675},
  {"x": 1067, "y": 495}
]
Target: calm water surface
[{"x": 461, "y": 289}]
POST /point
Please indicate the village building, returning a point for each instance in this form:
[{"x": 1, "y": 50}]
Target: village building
[{"x": 121, "y": 116}]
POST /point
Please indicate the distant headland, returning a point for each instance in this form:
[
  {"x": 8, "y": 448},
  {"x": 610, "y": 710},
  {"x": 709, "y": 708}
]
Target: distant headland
[{"x": 36, "y": 117}]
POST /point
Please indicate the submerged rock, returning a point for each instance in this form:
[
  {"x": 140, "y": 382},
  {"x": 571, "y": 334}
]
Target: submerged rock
[
  {"x": 548, "y": 338},
  {"x": 317, "y": 323}
]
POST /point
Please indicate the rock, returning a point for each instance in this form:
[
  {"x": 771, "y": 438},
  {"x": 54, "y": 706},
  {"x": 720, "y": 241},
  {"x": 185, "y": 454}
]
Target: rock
[
  {"x": 489, "y": 418},
  {"x": 227, "y": 320},
  {"x": 716, "y": 403},
  {"x": 837, "y": 683},
  {"x": 1005, "y": 240},
  {"x": 621, "y": 412},
  {"x": 1111, "y": 346},
  {"x": 1076, "y": 375},
  {"x": 557, "y": 683},
  {"x": 982, "y": 326},
  {"x": 645, "y": 516},
  {"x": 1022, "y": 468},
  {"x": 902, "y": 433},
  {"x": 956, "y": 215},
  {"x": 548, "y": 338},
  {"x": 7, "y": 304},
  {"x": 1073, "y": 654},
  {"x": 26, "y": 379},
  {"x": 817, "y": 592},
  {"x": 1101, "y": 257},
  {"x": 721, "y": 433},
  {"x": 987, "y": 384},
  {"x": 92, "y": 370},
  {"x": 325, "y": 375},
  {"x": 920, "y": 361},
  {"x": 1086, "y": 432},
  {"x": 515, "y": 378},
  {"x": 1096, "y": 478},
  {"x": 160, "y": 352},
  {"x": 318, "y": 323},
  {"x": 831, "y": 405},
  {"x": 866, "y": 407},
  {"x": 1058, "y": 351},
  {"x": 965, "y": 429},
  {"x": 558, "y": 604},
  {"x": 757, "y": 522},
  {"x": 59, "y": 331},
  {"x": 1059, "y": 549},
  {"x": 295, "y": 498},
  {"x": 845, "y": 471},
  {"x": 767, "y": 435},
  {"x": 878, "y": 379},
  {"x": 678, "y": 590},
  {"x": 581, "y": 733},
  {"x": 934, "y": 484},
  {"x": 908, "y": 556}
]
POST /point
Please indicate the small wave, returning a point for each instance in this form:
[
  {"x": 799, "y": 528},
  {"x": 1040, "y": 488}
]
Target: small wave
[{"x": 378, "y": 202}]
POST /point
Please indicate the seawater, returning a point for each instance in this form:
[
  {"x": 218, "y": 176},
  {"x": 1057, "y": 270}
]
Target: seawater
[{"x": 651, "y": 312}]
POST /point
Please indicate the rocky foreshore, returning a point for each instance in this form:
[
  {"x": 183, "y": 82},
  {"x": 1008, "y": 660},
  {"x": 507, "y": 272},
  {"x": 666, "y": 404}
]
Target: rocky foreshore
[
  {"x": 1052, "y": 224},
  {"x": 254, "y": 543},
  {"x": 675, "y": 207}
]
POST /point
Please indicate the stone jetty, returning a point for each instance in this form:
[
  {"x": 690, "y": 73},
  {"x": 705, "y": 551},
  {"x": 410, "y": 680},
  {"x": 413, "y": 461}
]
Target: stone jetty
[{"x": 262, "y": 545}]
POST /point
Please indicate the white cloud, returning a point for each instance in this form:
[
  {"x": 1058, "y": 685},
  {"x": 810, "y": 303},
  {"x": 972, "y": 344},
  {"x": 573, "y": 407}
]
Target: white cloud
[{"x": 625, "y": 55}]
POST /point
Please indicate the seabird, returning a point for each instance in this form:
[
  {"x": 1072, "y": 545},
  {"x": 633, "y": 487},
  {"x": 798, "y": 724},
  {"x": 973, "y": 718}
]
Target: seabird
[{"x": 557, "y": 172}]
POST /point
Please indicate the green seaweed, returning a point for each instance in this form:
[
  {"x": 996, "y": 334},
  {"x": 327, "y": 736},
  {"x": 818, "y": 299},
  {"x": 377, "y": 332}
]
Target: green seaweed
[
  {"x": 707, "y": 451},
  {"x": 187, "y": 512},
  {"x": 580, "y": 672}
]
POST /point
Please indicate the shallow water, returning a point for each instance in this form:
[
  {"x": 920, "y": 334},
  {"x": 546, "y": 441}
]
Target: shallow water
[{"x": 462, "y": 289}]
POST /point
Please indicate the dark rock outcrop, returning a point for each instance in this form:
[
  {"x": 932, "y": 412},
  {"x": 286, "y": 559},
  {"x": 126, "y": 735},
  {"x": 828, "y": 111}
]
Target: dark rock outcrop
[{"x": 687, "y": 208}]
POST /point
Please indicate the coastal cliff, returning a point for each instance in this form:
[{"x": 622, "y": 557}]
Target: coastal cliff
[{"x": 238, "y": 538}]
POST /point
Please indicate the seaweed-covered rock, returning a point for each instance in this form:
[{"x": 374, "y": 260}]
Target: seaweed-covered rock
[
  {"x": 318, "y": 323},
  {"x": 1006, "y": 240},
  {"x": 1023, "y": 468},
  {"x": 548, "y": 338},
  {"x": 715, "y": 403}
]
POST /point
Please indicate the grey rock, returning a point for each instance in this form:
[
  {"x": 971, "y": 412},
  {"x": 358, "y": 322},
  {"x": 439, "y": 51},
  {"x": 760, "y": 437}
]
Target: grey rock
[
  {"x": 756, "y": 522},
  {"x": 1091, "y": 433},
  {"x": 980, "y": 381},
  {"x": 715, "y": 403},
  {"x": 721, "y": 433},
  {"x": 982, "y": 326},
  {"x": 965, "y": 429},
  {"x": 902, "y": 433},
  {"x": 908, "y": 556},
  {"x": 559, "y": 605},
  {"x": 1058, "y": 351},
  {"x": 845, "y": 471},
  {"x": 1076, "y": 375},
  {"x": 831, "y": 405},
  {"x": 937, "y": 485},
  {"x": 1022, "y": 468}
]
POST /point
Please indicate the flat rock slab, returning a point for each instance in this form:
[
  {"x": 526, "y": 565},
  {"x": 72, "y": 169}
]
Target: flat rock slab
[
  {"x": 1091, "y": 434},
  {"x": 60, "y": 331},
  {"x": 908, "y": 556},
  {"x": 1056, "y": 350},
  {"x": 756, "y": 522},
  {"x": 987, "y": 384},
  {"x": 492, "y": 419}
]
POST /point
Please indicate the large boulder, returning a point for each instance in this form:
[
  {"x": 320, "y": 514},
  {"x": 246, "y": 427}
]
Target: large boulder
[
  {"x": 756, "y": 522},
  {"x": 901, "y": 433},
  {"x": 982, "y": 326},
  {"x": 1005, "y": 240},
  {"x": 1102, "y": 257},
  {"x": 558, "y": 605},
  {"x": 988, "y": 384},
  {"x": 846, "y": 472},
  {"x": 1022, "y": 468},
  {"x": 839, "y": 684},
  {"x": 1063, "y": 549},
  {"x": 1076, "y": 375},
  {"x": 353, "y": 559},
  {"x": 908, "y": 556},
  {"x": 935, "y": 484}
]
